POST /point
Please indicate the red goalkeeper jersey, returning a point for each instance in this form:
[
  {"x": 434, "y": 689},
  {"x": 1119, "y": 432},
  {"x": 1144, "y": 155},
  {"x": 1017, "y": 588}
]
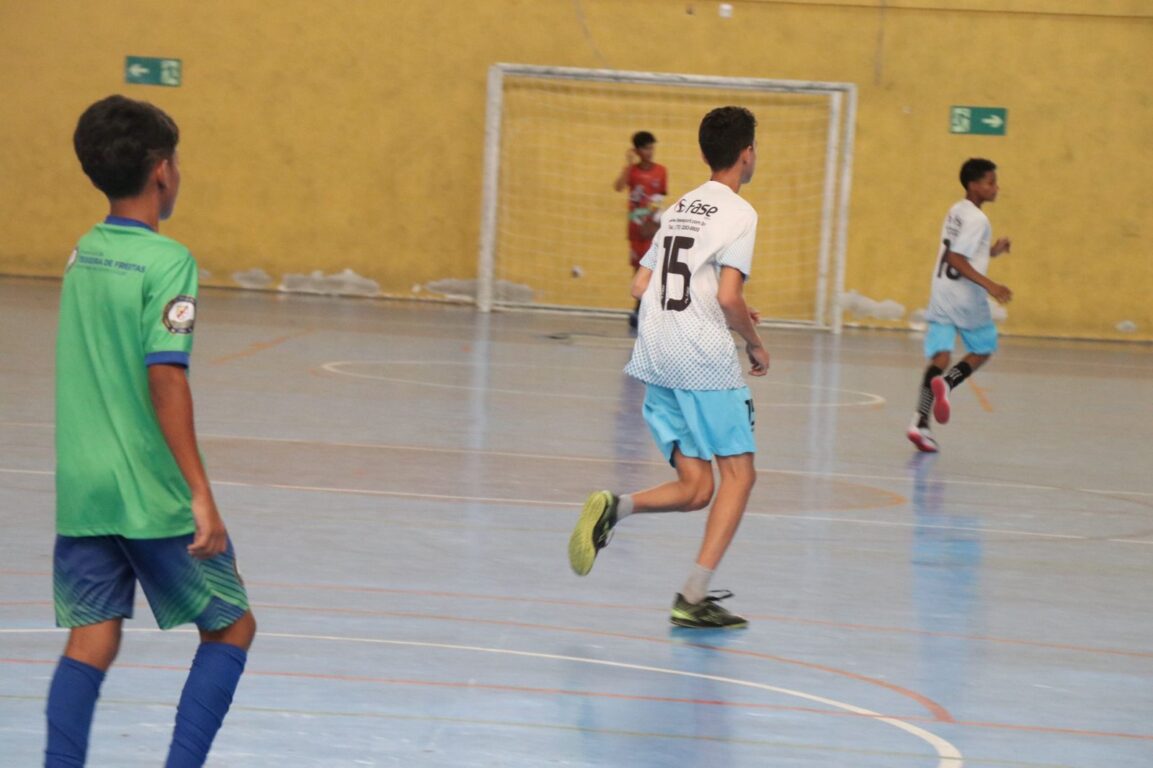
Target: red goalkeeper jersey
[{"x": 647, "y": 189}]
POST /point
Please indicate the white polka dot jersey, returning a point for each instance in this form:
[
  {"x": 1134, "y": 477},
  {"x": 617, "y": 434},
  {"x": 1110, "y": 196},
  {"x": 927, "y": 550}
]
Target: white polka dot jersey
[{"x": 683, "y": 340}]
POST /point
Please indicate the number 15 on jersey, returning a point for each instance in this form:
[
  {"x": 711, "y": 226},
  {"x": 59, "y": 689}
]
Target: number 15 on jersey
[{"x": 673, "y": 246}]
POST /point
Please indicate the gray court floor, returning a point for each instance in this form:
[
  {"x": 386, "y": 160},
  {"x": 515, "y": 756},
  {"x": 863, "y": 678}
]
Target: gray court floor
[{"x": 400, "y": 481}]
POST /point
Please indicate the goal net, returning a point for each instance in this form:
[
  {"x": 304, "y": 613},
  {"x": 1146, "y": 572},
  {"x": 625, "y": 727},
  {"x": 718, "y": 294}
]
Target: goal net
[{"x": 554, "y": 233}]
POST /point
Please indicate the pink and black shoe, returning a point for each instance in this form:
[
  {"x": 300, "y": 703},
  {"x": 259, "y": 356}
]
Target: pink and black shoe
[
  {"x": 921, "y": 437},
  {"x": 940, "y": 389}
]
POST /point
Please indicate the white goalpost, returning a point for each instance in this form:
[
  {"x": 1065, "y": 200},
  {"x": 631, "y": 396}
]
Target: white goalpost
[{"x": 553, "y": 231}]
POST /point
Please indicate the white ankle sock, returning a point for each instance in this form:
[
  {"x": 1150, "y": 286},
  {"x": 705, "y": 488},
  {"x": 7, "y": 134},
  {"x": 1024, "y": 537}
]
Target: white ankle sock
[
  {"x": 624, "y": 506},
  {"x": 696, "y": 587}
]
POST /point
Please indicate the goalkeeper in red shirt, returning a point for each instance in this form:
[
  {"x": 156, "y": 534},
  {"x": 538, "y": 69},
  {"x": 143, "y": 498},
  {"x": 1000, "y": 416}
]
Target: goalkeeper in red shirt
[{"x": 647, "y": 183}]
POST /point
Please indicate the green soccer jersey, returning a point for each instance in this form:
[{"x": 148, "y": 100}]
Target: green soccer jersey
[{"x": 128, "y": 301}]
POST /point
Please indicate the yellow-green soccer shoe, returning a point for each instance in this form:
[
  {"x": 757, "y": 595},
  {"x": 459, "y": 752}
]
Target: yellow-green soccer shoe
[
  {"x": 592, "y": 531},
  {"x": 707, "y": 614}
]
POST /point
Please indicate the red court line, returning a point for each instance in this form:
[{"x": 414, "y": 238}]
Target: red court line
[
  {"x": 986, "y": 405},
  {"x": 257, "y": 346},
  {"x": 472, "y": 685},
  {"x": 879, "y": 629},
  {"x": 940, "y": 714},
  {"x": 766, "y": 617}
]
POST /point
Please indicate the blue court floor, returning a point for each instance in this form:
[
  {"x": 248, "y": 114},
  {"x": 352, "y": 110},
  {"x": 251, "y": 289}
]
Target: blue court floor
[{"x": 400, "y": 481}]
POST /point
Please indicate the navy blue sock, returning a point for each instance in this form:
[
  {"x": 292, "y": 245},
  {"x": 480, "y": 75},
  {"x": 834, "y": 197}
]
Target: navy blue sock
[
  {"x": 71, "y": 704},
  {"x": 207, "y": 695}
]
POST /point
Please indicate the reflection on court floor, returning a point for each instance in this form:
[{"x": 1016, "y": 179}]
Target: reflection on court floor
[{"x": 401, "y": 479}]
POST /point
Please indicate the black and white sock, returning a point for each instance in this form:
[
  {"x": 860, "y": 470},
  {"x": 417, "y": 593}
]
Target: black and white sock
[
  {"x": 925, "y": 401},
  {"x": 958, "y": 373}
]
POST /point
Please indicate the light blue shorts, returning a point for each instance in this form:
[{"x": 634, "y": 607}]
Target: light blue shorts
[
  {"x": 941, "y": 337},
  {"x": 701, "y": 423}
]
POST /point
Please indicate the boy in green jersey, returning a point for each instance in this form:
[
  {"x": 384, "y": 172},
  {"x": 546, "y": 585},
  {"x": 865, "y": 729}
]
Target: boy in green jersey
[{"x": 133, "y": 499}]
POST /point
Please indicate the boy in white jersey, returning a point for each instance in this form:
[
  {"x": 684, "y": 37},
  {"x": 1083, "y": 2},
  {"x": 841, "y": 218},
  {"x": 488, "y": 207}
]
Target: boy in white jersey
[
  {"x": 958, "y": 302},
  {"x": 697, "y": 406}
]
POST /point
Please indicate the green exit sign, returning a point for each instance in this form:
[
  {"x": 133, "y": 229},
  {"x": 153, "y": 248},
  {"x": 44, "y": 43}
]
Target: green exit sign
[
  {"x": 145, "y": 70},
  {"x": 989, "y": 121}
]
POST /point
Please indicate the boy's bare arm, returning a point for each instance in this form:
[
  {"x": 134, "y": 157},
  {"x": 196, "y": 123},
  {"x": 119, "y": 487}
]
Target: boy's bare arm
[
  {"x": 641, "y": 281},
  {"x": 958, "y": 262},
  {"x": 731, "y": 297},
  {"x": 172, "y": 401},
  {"x": 622, "y": 179}
]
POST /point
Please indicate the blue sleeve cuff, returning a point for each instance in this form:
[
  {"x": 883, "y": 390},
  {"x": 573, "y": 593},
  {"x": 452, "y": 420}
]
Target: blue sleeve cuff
[{"x": 167, "y": 358}]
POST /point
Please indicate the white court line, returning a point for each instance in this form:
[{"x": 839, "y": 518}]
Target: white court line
[
  {"x": 573, "y": 504},
  {"x": 352, "y": 491},
  {"x": 335, "y": 367},
  {"x": 634, "y": 462},
  {"x": 948, "y": 755},
  {"x": 914, "y": 337},
  {"x": 645, "y": 462},
  {"x": 1095, "y": 365},
  {"x": 400, "y": 494},
  {"x": 1105, "y": 492},
  {"x": 920, "y": 526}
]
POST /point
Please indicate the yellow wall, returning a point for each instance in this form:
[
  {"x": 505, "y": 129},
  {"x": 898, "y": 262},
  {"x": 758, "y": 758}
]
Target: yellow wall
[{"x": 326, "y": 135}]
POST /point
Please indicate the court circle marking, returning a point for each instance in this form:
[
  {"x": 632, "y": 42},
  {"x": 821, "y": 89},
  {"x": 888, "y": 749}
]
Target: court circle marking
[
  {"x": 341, "y": 368},
  {"x": 948, "y": 756}
]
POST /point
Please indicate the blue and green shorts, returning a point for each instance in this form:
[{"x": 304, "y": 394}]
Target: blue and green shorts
[
  {"x": 94, "y": 580},
  {"x": 701, "y": 423}
]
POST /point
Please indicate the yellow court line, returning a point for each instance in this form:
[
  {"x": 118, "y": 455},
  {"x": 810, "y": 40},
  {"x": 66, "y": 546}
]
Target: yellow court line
[
  {"x": 257, "y": 346},
  {"x": 982, "y": 398}
]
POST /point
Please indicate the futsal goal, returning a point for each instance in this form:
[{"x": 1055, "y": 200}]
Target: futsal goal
[{"x": 553, "y": 231}]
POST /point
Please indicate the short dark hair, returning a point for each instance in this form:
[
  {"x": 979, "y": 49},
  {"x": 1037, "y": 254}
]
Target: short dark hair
[
  {"x": 975, "y": 169},
  {"x": 724, "y": 134},
  {"x": 643, "y": 139},
  {"x": 120, "y": 140}
]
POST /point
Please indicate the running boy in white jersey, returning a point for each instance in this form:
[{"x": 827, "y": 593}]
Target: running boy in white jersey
[
  {"x": 697, "y": 406},
  {"x": 959, "y": 303}
]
